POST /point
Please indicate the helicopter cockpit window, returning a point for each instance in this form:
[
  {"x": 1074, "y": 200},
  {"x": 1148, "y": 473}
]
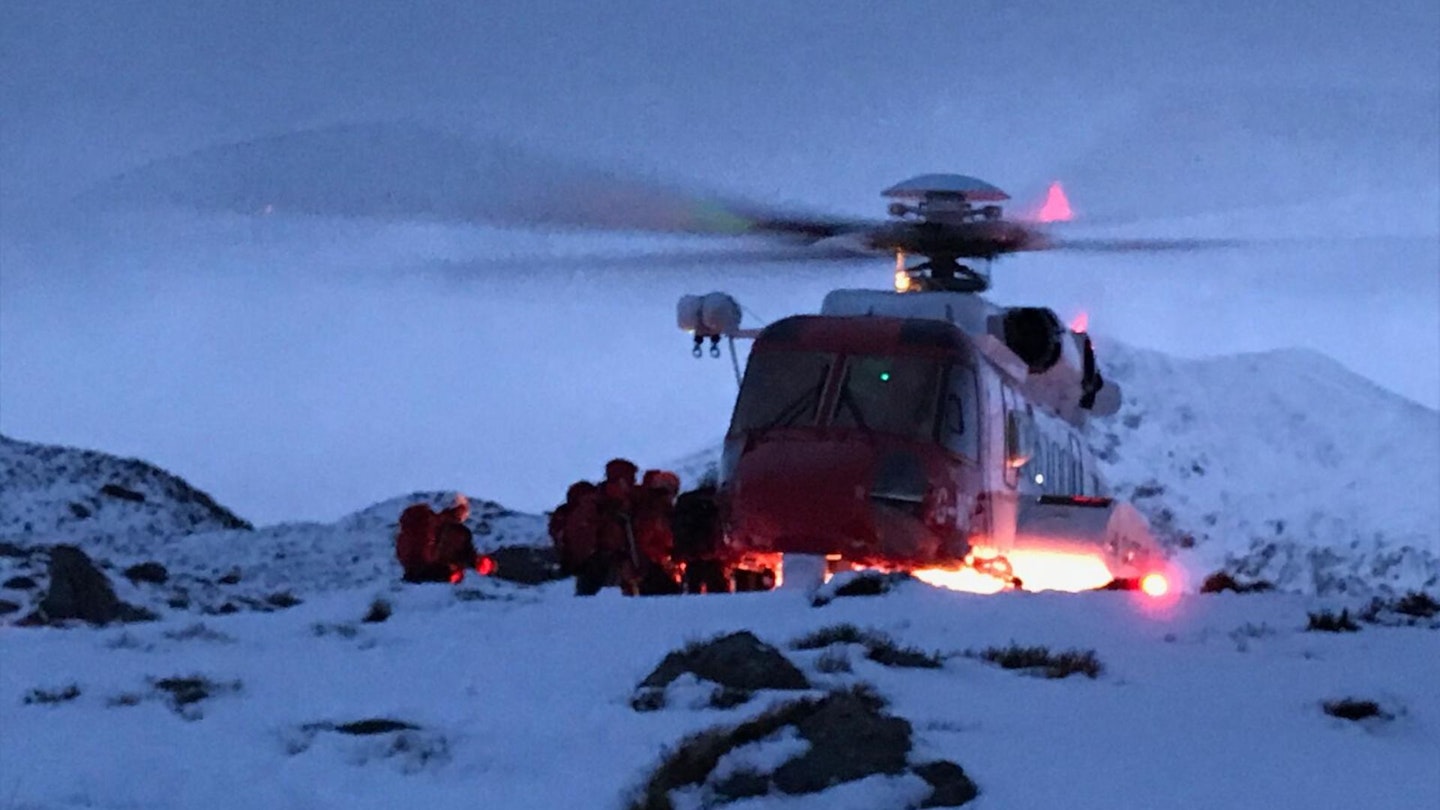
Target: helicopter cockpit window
[
  {"x": 781, "y": 389},
  {"x": 894, "y": 395}
]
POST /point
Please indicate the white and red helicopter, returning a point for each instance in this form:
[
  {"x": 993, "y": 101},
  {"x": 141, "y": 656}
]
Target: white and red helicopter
[{"x": 924, "y": 428}]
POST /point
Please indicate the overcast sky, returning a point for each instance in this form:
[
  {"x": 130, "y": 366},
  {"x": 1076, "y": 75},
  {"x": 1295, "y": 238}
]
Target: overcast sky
[{"x": 306, "y": 369}]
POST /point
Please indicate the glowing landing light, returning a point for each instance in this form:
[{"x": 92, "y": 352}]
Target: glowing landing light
[
  {"x": 967, "y": 580},
  {"x": 1056, "y": 207},
  {"x": 1042, "y": 570},
  {"x": 1155, "y": 585}
]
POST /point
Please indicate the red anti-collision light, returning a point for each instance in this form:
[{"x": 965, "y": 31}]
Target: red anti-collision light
[{"x": 485, "y": 566}]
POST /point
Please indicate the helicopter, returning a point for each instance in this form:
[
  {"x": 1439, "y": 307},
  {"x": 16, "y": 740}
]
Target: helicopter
[
  {"x": 921, "y": 429},
  {"x": 925, "y": 429}
]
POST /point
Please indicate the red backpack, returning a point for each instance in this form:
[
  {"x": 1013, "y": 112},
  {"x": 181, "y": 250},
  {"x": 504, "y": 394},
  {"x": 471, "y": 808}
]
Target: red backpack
[{"x": 415, "y": 544}]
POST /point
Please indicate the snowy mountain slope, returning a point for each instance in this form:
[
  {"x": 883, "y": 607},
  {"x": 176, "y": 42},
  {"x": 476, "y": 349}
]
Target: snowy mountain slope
[
  {"x": 66, "y": 493},
  {"x": 1282, "y": 465},
  {"x": 123, "y": 512}
]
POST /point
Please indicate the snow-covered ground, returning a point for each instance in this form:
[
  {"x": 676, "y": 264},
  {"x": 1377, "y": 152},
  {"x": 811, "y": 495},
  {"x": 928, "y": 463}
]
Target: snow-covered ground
[{"x": 521, "y": 698}]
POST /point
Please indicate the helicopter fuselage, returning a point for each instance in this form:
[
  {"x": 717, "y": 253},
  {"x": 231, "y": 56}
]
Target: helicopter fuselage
[{"x": 916, "y": 443}]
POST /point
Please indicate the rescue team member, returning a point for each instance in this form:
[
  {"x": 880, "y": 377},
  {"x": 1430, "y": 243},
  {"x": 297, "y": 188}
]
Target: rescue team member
[
  {"x": 648, "y": 572},
  {"x": 699, "y": 541},
  {"x": 617, "y": 533},
  {"x": 438, "y": 547}
]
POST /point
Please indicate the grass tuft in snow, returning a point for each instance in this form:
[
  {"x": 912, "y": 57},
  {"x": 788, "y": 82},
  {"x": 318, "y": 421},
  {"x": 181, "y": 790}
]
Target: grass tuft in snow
[
  {"x": 199, "y": 632},
  {"x": 375, "y": 725},
  {"x": 282, "y": 600},
  {"x": 879, "y": 647},
  {"x": 834, "y": 661},
  {"x": 1419, "y": 604},
  {"x": 834, "y": 634},
  {"x": 1411, "y": 609},
  {"x": 1327, "y": 622},
  {"x": 340, "y": 629},
  {"x": 50, "y": 697},
  {"x": 380, "y": 610},
  {"x": 1222, "y": 581},
  {"x": 184, "y": 692},
  {"x": 1356, "y": 710},
  {"x": 1040, "y": 660}
]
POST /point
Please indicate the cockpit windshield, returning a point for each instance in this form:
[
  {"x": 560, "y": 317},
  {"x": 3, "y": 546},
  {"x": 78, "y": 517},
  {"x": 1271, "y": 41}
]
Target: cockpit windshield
[
  {"x": 781, "y": 389},
  {"x": 899, "y": 396}
]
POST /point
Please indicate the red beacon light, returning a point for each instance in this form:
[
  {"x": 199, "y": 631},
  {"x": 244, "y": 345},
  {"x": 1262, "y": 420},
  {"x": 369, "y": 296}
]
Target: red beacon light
[
  {"x": 485, "y": 566},
  {"x": 1154, "y": 584}
]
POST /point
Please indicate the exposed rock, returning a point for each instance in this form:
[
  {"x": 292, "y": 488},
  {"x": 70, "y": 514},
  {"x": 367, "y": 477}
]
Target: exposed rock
[
  {"x": 1221, "y": 581},
  {"x": 20, "y": 583},
  {"x": 850, "y": 738},
  {"x": 7, "y": 607},
  {"x": 527, "y": 565},
  {"x": 950, "y": 787},
  {"x": 151, "y": 572},
  {"x": 124, "y": 494},
  {"x": 858, "y": 583},
  {"x": 739, "y": 660},
  {"x": 743, "y": 785},
  {"x": 78, "y": 590}
]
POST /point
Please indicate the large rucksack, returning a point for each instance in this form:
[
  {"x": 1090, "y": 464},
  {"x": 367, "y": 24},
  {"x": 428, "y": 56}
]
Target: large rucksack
[
  {"x": 415, "y": 542},
  {"x": 696, "y": 526}
]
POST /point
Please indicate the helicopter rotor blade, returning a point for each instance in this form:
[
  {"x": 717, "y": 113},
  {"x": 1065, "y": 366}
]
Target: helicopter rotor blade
[
  {"x": 659, "y": 261},
  {"x": 411, "y": 173},
  {"x": 1142, "y": 245}
]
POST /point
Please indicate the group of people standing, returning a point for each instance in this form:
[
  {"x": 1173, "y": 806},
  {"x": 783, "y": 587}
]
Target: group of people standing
[{"x": 642, "y": 536}]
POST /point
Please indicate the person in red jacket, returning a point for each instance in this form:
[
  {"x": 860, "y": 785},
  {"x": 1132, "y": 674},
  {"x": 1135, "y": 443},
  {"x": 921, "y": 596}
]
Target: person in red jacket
[
  {"x": 439, "y": 547},
  {"x": 700, "y": 541},
  {"x": 648, "y": 571},
  {"x": 573, "y": 528},
  {"x": 614, "y": 532}
]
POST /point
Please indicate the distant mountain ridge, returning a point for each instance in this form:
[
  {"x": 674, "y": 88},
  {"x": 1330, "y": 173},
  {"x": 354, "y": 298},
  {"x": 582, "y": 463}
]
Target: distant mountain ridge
[
  {"x": 66, "y": 493},
  {"x": 1283, "y": 465}
]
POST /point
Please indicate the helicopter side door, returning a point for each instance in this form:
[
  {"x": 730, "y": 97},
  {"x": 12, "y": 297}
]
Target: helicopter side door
[{"x": 960, "y": 429}]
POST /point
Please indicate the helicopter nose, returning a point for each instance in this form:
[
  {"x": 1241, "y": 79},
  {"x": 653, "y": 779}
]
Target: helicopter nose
[{"x": 802, "y": 497}]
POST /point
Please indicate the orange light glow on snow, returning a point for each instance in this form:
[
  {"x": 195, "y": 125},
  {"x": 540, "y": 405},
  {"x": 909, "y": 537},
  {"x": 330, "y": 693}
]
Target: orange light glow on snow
[
  {"x": 1155, "y": 585},
  {"x": 1081, "y": 322},
  {"x": 1056, "y": 207},
  {"x": 1042, "y": 570},
  {"x": 967, "y": 580}
]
